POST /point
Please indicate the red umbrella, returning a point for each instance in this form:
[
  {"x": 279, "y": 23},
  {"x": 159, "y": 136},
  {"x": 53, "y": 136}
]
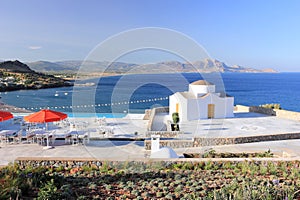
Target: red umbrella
[
  {"x": 45, "y": 116},
  {"x": 5, "y": 116}
]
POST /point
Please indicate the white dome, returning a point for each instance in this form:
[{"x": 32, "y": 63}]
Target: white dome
[
  {"x": 165, "y": 152},
  {"x": 201, "y": 82}
]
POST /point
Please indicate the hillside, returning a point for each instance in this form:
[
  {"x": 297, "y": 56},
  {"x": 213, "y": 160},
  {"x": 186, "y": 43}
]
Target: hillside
[
  {"x": 205, "y": 66},
  {"x": 15, "y": 75},
  {"x": 15, "y": 67}
]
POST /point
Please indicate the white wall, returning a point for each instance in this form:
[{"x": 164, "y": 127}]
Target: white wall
[
  {"x": 194, "y": 109},
  {"x": 202, "y": 89},
  {"x": 198, "y": 108},
  {"x": 172, "y": 104},
  {"x": 173, "y": 100},
  {"x": 229, "y": 107}
]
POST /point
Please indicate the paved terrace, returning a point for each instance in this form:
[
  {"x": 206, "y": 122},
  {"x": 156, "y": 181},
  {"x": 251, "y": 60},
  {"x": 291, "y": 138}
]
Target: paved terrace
[
  {"x": 128, "y": 151},
  {"x": 243, "y": 124}
]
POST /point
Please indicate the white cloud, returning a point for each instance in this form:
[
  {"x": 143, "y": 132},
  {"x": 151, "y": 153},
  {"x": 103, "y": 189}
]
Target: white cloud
[{"x": 34, "y": 47}]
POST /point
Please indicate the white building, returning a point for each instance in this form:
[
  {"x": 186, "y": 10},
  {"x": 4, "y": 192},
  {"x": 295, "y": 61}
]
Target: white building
[{"x": 201, "y": 102}]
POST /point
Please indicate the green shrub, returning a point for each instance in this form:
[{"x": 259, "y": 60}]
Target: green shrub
[
  {"x": 271, "y": 106},
  {"x": 175, "y": 117},
  {"x": 48, "y": 191}
]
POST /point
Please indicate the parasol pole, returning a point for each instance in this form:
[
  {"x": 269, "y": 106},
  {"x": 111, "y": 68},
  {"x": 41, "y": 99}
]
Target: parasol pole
[{"x": 47, "y": 135}]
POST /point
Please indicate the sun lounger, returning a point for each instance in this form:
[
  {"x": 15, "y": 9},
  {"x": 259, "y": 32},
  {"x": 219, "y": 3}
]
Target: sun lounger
[
  {"x": 6, "y": 136},
  {"x": 30, "y": 137},
  {"x": 79, "y": 137},
  {"x": 18, "y": 137}
]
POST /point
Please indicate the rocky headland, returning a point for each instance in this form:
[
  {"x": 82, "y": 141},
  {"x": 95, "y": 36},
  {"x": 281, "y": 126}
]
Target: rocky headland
[{"x": 15, "y": 75}]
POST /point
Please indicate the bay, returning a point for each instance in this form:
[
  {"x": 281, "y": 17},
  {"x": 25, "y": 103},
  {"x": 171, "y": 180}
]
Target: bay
[{"x": 135, "y": 93}]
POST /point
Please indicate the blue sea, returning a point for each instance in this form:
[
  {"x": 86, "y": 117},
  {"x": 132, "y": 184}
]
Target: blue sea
[{"x": 135, "y": 93}]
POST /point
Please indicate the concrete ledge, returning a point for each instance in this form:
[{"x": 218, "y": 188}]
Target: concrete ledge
[{"x": 153, "y": 112}]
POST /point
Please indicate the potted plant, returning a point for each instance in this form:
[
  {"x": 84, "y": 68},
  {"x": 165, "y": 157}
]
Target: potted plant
[{"x": 175, "y": 125}]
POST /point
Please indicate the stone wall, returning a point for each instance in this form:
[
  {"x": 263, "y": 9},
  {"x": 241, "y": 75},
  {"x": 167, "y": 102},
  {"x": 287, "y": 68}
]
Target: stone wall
[
  {"x": 175, "y": 144},
  {"x": 200, "y": 142},
  {"x": 268, "y": 111},
  {"x": 262, "y": 110},
  {"x": 164, "y": 134},
  {"x": 262, "y": 138},
  {"x": 95, "y": 163},
  {"x": 55, "y": 162}
]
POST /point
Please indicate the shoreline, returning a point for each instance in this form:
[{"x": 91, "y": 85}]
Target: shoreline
[
  {"x": 87, "y": 76},
  {"x": 12, "y": 109}
]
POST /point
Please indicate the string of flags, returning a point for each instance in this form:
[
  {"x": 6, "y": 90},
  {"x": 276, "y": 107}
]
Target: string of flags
[{"x": 99, "y": 105}]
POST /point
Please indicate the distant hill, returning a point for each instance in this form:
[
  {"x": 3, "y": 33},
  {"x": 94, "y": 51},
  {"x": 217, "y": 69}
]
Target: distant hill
[
  {"x": 205, "y": 66},
  {"x": 44, "y": 66},
  {"x": 15, "y": 66}
]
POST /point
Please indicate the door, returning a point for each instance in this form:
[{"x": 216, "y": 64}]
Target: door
[
  {"x": 177, "y": 107},
  {"x": 211, "y": 111}
]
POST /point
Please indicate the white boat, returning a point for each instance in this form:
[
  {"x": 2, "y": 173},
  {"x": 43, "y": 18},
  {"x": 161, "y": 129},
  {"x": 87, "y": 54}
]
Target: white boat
[
  {"x": 56, "y": 94},
  {"x": 84, "y": 84}
]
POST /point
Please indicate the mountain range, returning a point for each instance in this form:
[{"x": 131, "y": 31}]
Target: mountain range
[{"x": 205, "y": 66}]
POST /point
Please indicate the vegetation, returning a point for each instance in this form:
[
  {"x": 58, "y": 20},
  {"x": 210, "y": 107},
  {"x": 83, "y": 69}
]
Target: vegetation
[
  {"x": 210, "y": 153},
  {"x": 179, "y": 180},
  {"x": 271, "y": 106},
  {"x": 175, "y": 117}
]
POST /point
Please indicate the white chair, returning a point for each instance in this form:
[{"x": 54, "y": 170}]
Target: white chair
[
  {"x": 52, "y": 137},
  {"x": 30, "y": 137},
  {"x": 74, "y": 139},
  {"x": 84, "y": 138},
  {"x": 18, "y": 137},
  {"x": 3, "y": 139}
]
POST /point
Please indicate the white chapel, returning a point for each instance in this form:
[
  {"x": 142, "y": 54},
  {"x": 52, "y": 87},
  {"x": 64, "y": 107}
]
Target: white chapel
[{"x": 201, "y": 102}]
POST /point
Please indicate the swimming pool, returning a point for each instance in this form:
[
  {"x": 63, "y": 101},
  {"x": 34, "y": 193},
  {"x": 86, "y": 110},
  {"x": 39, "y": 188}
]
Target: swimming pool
[
  {"x": 99, "y": 115},
  {"x": 84, "y": 115}
]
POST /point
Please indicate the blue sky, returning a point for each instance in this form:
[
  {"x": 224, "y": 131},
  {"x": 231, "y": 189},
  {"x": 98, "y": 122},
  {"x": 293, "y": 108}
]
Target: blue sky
[{"x": 250, "y": 33}]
